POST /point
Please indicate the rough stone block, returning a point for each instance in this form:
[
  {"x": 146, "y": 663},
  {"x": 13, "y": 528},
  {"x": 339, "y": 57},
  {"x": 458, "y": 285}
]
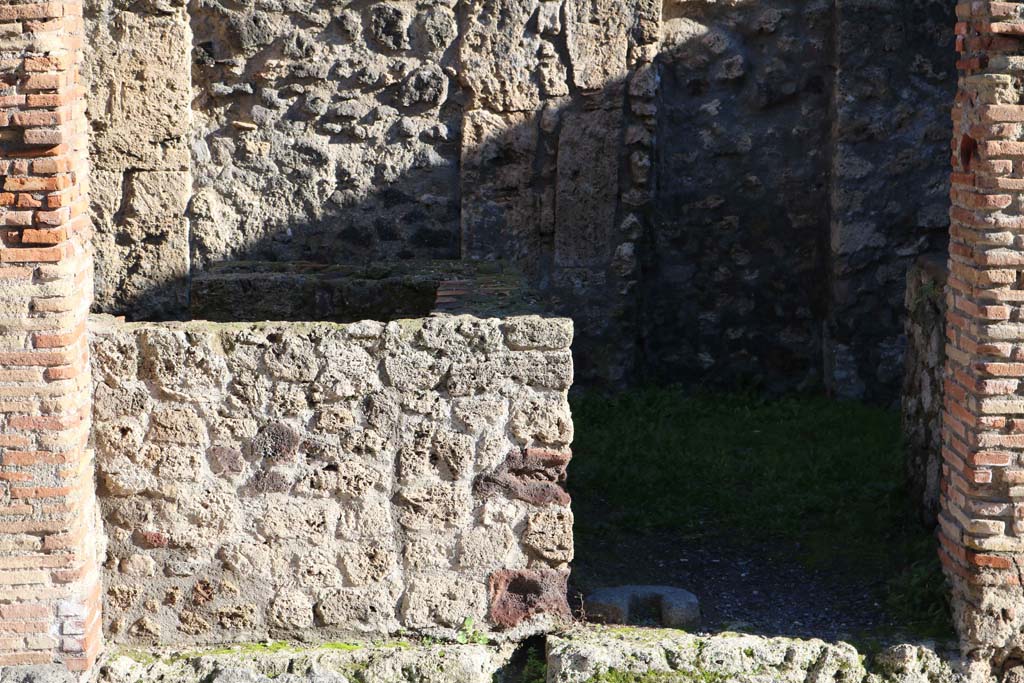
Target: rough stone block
[{"x": 588, "y": 182}]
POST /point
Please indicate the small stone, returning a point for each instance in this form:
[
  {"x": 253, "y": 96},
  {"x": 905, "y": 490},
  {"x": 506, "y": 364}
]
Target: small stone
[
  {"x": 389, "y": 26},
  {"x": 291, "y": 608},
  {"x": 138, "y": 565},
  {"x": 225, "y": 460},
  {"x": 276, "y": 441},
  {"x": 519, "y": 595},
  {"x": 426, "y": 86}
]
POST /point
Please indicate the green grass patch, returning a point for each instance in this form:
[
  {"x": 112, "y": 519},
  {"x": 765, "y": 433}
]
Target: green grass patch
[
  {"x": 619, "y": 676},
  {"x": 827, "y": 474}
]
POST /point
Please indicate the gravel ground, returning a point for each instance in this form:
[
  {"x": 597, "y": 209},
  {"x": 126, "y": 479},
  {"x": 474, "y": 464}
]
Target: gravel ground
[{"x": 760, "y": 590}]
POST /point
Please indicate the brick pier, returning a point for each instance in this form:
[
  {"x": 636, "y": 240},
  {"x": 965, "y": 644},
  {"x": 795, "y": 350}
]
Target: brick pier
[
  {"x": 49, "y": 586},
  {"x": 982, "y": 519}
]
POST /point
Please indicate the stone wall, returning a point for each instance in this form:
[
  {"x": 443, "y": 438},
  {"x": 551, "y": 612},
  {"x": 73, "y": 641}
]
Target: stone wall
[
  {"x": 314, "y": 480},
  {"x": 889, "y": 180},
  {"x": 717, "y": 192},
  {"x": 740, "y": 218},
  {"x": 324, "y": 132},
  {"x": 923, "y": 381},
  {"x": 800, "y": 168},
  {"x": 584, "y": 654},
  {"x": 137, "y": 63}
]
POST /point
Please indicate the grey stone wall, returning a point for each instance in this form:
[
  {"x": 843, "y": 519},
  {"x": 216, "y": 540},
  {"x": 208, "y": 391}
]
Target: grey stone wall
[
  {"x": 923, "y": 386},
  {"x": 802, "y": 166},
  {"x": 314, "y": 481},
  {"x": 324, "y": 131},
  {"x": 718, "y": 193},
  {"x": 893, "y": 92},
  {"x": 736, "y": 283}
]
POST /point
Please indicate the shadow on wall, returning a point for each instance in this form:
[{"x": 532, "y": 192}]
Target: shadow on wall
[{"x": 660, "y": 174}]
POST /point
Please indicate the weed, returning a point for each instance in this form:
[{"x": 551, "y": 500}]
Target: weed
[
  {"x": 468, "y": 635},
  {"x": 535, "y": 669}
]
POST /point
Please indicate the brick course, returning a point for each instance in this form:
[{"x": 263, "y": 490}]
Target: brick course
[{"x": 49, "y": 585}]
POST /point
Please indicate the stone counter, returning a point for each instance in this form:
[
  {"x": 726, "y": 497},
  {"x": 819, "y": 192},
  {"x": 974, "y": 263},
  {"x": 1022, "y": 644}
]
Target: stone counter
[{"x": 315, "y": 480}]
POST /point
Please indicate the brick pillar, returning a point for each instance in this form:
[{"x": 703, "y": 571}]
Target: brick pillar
[
  {"x": 49, "y": 582},
  {"x": 982, "y": 518}
]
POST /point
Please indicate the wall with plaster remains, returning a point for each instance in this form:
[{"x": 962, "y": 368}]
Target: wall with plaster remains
[{"x": 316, "y": 480}]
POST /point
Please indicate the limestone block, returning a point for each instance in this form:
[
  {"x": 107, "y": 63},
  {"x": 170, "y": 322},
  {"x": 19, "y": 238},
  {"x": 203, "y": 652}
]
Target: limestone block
[
  {"x": 588, "y": 182},
  {"x": 549, "y": 534},
  {"x": 182, "y": 366},
  {"x": 361, "y": 608},
  {"x": 496, "y": 33},
  {"x": 433, "y": 506},
  {"x": 291, "y": 609},
  {"x": 535, "y": 333},
  {"x": 138, "y": 75},
  {"x": 540, "y": 418},
  {"x": 499, "y": 213},
  {"x": 597, "y": 38},
  {"x": 486, "y": 548},
  {"x": 443, "y": 599},
  {"x": 413, "y": 370},
  {"x": 367, "y": 563},
  {"x": 176, "y": 424},
  {"x": 310, "y": 520}
]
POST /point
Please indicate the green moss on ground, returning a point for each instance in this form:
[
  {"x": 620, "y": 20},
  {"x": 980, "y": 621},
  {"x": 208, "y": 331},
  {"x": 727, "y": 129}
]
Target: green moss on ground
[{"x": 827, "y": 474}]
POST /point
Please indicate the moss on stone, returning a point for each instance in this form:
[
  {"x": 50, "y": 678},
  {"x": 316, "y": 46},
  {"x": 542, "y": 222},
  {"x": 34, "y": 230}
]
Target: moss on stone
[
  {"x": 619, "y": 676},
  {"x": 140, "y": 657},
  {"x": 248, "y": 650},
  {"x": 642, "y": 632},
  {"x": 347, "y": 647}
]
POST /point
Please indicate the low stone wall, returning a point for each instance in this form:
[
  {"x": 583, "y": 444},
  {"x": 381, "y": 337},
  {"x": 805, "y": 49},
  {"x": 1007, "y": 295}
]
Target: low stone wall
[
  {"x": 580, "y": 655},
  {"x": 598, "y": 655},
  {"x": 313, "y": 480},
  {"x": 922, "y": 382}
]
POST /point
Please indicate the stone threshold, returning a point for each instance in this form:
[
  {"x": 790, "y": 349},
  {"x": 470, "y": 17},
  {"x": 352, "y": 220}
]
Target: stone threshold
[{"x": 583, "y": 654}]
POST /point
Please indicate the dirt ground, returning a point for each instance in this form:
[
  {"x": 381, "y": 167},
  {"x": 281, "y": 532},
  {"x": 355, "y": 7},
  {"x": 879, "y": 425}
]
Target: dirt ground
[{"x": 752, "y": 589}]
